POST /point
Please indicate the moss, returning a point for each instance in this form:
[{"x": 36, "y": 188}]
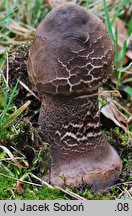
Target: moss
[
  {"x": 8, "y": 191},
  {"x": 6, "y": 186},
  {"x": 120, "y": 140},
  {"x": 89, "y": 194}
]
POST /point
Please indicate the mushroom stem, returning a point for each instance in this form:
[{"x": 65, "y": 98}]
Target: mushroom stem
[{"x": 79, "y": 148}]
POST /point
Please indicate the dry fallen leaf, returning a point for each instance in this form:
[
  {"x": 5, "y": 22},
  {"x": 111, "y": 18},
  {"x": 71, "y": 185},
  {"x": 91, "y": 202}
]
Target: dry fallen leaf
[
  {"x": 56, "y": 3},
  {"x": 111, "y": 112},
  {"x": 2, "y": 50},
  {"x": 1, "y": 6},
  {"x": 11, "y": 156},
  {"x": 20, "y": 187}
]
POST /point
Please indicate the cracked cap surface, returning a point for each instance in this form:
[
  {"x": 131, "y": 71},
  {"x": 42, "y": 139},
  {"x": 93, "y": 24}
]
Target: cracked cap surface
[{"x": 71, "y": 52}]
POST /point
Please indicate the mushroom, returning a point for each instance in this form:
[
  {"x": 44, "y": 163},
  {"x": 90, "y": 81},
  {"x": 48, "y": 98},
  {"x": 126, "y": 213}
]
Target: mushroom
[{"x": 71, "y": 56}]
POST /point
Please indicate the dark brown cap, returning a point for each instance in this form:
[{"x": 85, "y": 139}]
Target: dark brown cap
[{"x": 71, "y": 52}]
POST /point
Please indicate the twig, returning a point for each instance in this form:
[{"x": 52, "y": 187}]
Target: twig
[
  {"x": 127, "y": 192},
  {"x": 121, "y": 107},
  {"x": 29, "y": 90},
  {"x": 26, "y": 182},
  {"x": 42, "y": 181},
  {"x": 12, "y": 192},
  {"x": 123, "y": 183},
  {"x": 8, "y": 159},
  {"x": 8, "y": 42},
  {"x": 100, "y": 93},
  {"x": 120, "y": 194},
  {"x": 70, "y": 193},
  {"x": 6, "y": 169},
  {"x": 7, "y": 70},
  {"x": 4, "y": 78}
]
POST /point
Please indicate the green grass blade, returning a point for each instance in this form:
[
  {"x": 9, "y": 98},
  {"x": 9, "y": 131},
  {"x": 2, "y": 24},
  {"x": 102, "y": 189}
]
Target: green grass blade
[
  {"x": 108, "y": 22},
  {"x": 13, "y": 11},
  {"x": 116, "y": 57},
  {"x": 14, "y": 115},
  {"x": 9, "y": 103},
  {"x": 123, "y": 52},
  {"x": 130, "y": 27}
]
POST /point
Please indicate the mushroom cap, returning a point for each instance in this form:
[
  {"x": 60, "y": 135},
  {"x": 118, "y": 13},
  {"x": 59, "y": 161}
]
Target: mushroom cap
[{"x": 71, "y": 52}]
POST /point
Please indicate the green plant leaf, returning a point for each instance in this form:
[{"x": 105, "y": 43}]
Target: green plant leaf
[{"x": 128, "y": 90}]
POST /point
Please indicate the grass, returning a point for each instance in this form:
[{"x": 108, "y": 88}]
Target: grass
[
  {"x": 20, "y": 157},
  {"x": 8, "y": 191},
  {"x": 6, "y": 106},
  {"x": 119, "y": 57}
]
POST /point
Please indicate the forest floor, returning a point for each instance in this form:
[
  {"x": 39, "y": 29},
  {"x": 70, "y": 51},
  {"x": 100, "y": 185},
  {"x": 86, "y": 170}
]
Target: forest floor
[{"x": 23, "y": 152}]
